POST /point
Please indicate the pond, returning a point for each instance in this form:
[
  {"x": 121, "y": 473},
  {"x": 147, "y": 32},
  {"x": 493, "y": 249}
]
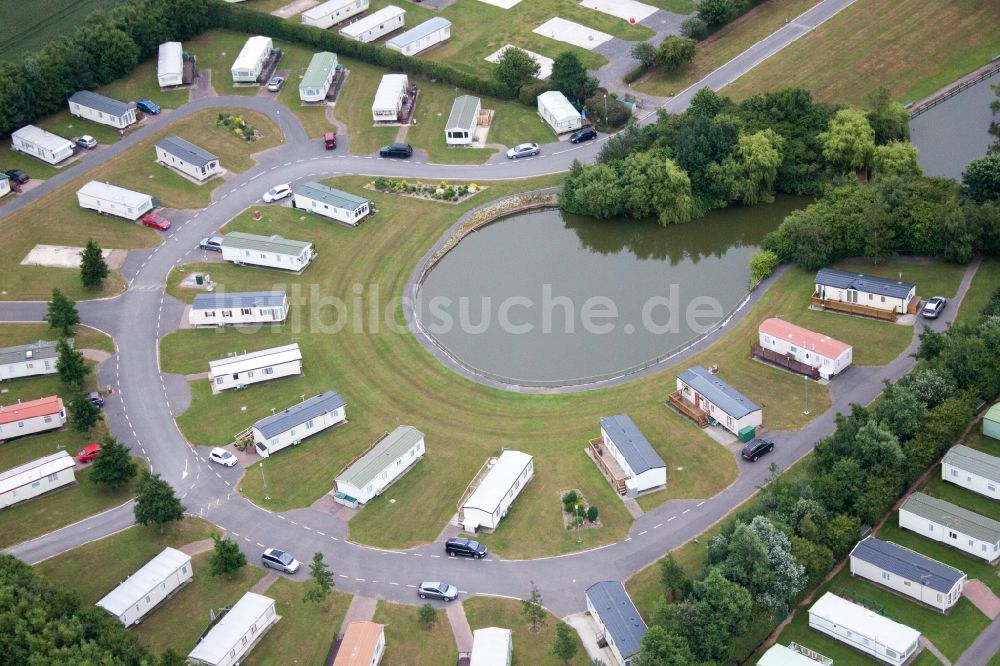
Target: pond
[{"x": 548, "y": 299}]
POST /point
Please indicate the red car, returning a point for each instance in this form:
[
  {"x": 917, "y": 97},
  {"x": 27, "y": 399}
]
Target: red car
[
  {"x": 88, "y": 453},
  {"x": 156, "y": 221}
]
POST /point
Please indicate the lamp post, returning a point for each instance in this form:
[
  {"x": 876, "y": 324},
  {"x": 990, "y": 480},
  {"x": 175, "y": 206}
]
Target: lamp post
[
  {"x": 576, "y": 510},
  {"x": 605, "y": 109},
  {"x": 266, "y": 496},
  {"x": 806, "y": 410}
]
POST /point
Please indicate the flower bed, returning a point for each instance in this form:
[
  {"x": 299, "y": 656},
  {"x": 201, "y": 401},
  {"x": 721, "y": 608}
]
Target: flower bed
[
  {"x": 442, "y": 191},
  {"x": 238, "y": 127},
  {"x": 577, "y": 512}
]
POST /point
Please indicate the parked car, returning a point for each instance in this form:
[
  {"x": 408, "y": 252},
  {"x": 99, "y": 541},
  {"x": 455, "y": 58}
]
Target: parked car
[
  {"x": 148, "y": 106},
  {"x": 18, "y": 176},
  {"x": 156, "y": 221},
  {"x": 396, "y": 150},
  {"x": 583, "y": 134},
  {"x": 274, "y": 85},
  {"x": 88, "y": 453},
  {"x": 442, "y": 591},
  {"x": 756, "y": 448},
  {"x": 460, "y": 546},
  {"x": 86, "y": 141},
  {"x": 277, "y": 193},
  {"x": 280, "y": 560},
  {"x": 223, "y": 457},
  {"x": 96, "y": 399},
  {"x": 523, "y": 150},
  {"x": 330, "y": 140},
  {"x": 934, "y": 307},
  {"x": 213, "y": 243}
]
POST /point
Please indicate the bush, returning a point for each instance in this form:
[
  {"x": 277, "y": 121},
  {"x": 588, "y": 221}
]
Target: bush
[
  {"x": 694, "y": 28},
  {"x": 592, "y": 514},
  {"x": 529, "y": 92},
  {"x": 645, "y": 53},
  {"x": 762, "y": 264},
  {"x": 617, "y": 113},
  {"x": 635, "y": 74},
  {"x": 675, "y": 52},
  {"x": 570, "y": 497}
]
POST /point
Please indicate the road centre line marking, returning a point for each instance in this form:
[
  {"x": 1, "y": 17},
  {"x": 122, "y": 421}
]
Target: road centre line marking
[
  {"x": 671, "y": 518},
  {"x": 642, "y": 532},
  {"x": 320, "y": 533},
  {"x": 700, "y": 503},
  {"x": 293, "y": 522},
  {"x": 685, "y": 511},
  {"x": 657, "y": 526}
]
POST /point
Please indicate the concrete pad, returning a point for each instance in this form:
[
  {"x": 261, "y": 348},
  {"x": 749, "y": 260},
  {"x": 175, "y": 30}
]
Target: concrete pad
[
  {"x": 623, "y": 9},
  {"x": 588, "y": 630},
  {"x": 57, "y": 256},
  {"x": 544, "y": 64},
  {"x": 95, "y": 355},
  {"x": 196, "y": 547},
  {"x": 982, "y": 598},
  {"x": 361, "y": 609},
  {"x": 572, "y": 33},
  {"x": 460, "y": 628},
  {"x": 502, "y": 4},
  {"x": 294, "y": 8},
  {"x": 264, "y": 583}
]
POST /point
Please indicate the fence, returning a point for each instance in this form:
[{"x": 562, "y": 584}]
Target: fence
[
  {"x": 954, "y": 90},
  {"x": 771, "y": 356}
]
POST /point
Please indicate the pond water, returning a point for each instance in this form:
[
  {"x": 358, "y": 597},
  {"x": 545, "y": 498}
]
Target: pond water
[
  {"x": 546, "y": 298},
  {"x": 956, "y": 131}
]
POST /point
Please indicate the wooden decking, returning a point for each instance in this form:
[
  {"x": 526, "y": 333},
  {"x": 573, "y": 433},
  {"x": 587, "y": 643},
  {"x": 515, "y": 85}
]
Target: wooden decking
[
  {"x": 612, "y": 471},
  {"x": 854, "y": 308},
  {"x": 697, "y": 415},
  {"x": 781, "y": 360}
]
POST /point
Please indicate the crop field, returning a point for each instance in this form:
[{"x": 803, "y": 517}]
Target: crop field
[{"x": 27, "y": 26}]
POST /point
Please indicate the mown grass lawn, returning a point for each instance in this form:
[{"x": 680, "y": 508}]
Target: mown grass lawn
[
  {"x": 84, "y": 337},
  {"x": 216, "y": 51},
  {"x": 142, "y": 83},
  {"x": 950, "y": 492},
  {"x": 933, "y": 278},
  {"x": 68, "y": 126},
  {"x": 911, "y": 47},
  {"x": 529, "y": 648},
  {"x": 295, "y": 59},
  {"x": 984, "y": 283},
  {"x": 407, "y": 643}
]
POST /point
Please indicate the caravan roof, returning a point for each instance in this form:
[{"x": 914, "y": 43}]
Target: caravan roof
[
  {"x": 138, "y": 585},
  {"x": 975, "y": 461},
  {"x": 865, "y": 622},
  {"x": 718, "y": 392},
  {"x": 389, "y": 448},
  {"x": 221, "y": 638},
  {"x": 418, "y": 32},
  {"x": 319, "y": 69},
  {"x": 254, "y": 360},
  {"x": 363, "y": 25},
  {"x": 464, "y": 112},
  {"x": 36, "y": 350},
  {"x": 31, "y": 409},
  {"x": 634, "y": 447},
  {"x": 390, "y": 89},
  {"x": 330, "y": 196},
  {"x": 243, "y": 241},
  {"x": 250, "y": 53},
  {"x": 32, "y": 471},
  {"x": 170, "y": 59},
  {"x": 498, "y": 481},
  {"x": 238, "y": 299},
  {"x": 119, "y": 195},
  {"x": 299, "y": 414},
  {"x": 39, "y": 137}
]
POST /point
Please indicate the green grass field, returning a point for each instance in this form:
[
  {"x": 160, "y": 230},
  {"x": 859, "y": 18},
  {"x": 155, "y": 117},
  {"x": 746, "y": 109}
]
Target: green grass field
[
  {"x": 28, "y": 26},
  {"x": 529, "y": 648},
  {"x": 409, "y": 644},
  {"x": 141, "y": 83},
  {"x": 984, "y": 283}
]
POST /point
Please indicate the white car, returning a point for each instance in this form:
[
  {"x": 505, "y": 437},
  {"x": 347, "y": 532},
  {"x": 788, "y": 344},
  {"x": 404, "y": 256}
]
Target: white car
[
  {"x": 223, "y": 457},
  {"x": 523, "y": 150},
  {"x": 277, "y": 193}
]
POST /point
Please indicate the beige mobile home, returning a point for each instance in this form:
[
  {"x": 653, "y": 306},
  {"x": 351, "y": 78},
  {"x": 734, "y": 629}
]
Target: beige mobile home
[
  {"x": 39, "y": 143},
  {"x": 170, "y": 65},
  {"x": 249, "y": 63},
  {"x": 486, "y": 506},
  {"x": 110, "y": 199},
  {"x": 557, "y": 111},
  {"x": 267, "y": 251},
  {"x": 389, "y": 98},
  {"x": 233, "y": 309},
  {"x": 462, "y": 121},
  {"x": 35, "y": 478},
  {"x": 241, "y": 370},
  {"x": 864, "y": 629},
  {"x": 373, "y": 26},
  {"x": 333, "y": 12},
  {"x": 141, "y": 592},
  {"x": 236, "y": 633}
]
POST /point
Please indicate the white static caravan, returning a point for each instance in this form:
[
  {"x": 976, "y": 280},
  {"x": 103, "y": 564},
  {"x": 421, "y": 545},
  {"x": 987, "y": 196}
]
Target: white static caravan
[
  {"x": 37, "y": 358},
  {"x": 332, "y": 203},
  {"x": 557, "y": 111},
  {"x": 36, "y": 142},
  {"x": 236, "y": 633},
  {"x": 490, "y": 501},
  {"x": 296, "y": 423},
  {"x": 492, "y": 646},
  {"x": 27, "y": 418},
  {"x": 316, "y": 82},
  {"x": 189, "y": 159},
  {"x": 35, "y": 478},
  {"x": 247, "y": 307},
  {"x": 942, "y": 521},
  {"x": 170, "y": 65},
  {"x": 390, "y": 458},
  {"x": 462, "y": 121},
  {"x": 822, "y": 352},
  {"x": 101, "y": 109},
  {"x": 863, "y": 629},
  {"x": 867, "y": 290},
  {"x": 242, "y": 370},
  {"x": 718, "y": 400},
  {"x": 333, "y": 12},
  {"x": 973, "y": 470},
  {"x": 4, "y": 184},
  {"x": 617, "y": 618},
  {"x": 908, "y": 573},
  {"x": 268, "y": 251},
  {"x": 389, "y": 98},
  {"x": 644, "y": 469},
  {"x": 792, "y": 655},
  {"x": 141, "y": 592},
  {"x": 373, "y": 26},
  {"x": 249, "y": 63},
  {"x": 110, "y": 199},
  {"x": 421, "y": 37}
]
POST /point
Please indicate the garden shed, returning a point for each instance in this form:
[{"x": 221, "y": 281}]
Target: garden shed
[
  {"x": 375, "y": 25},
  {"x": 141, "y": 592},
  {"x": 389, "y": 458},
  {"x": 101, "y": 109},
  {"x": 960, "y": 528},
  {"x": 238, "y": 307},
  {"x": 242, "y": 370},
  {"x": 907, "y": 572},
  {"x": 27, "y": 418},
  {"x": 236, "y": 633},
  {"x": 268, "y": 251},
  {"x": 557, "y": 111},
  {"x": 35, "y": 478},
  {"x": 250, "y": 62},
  {"x": 170, "y": 65},
  {"x": 863, "y": 629},
  {"x": 504, "y": 479},
  {"x": 333, "y": 12},
  {"x": 704, "y": 397},
  {"x": 634, "y": 466},
  {"x": 492, "y": 646},
  {"x": 617, "y": 619},
  {"x": 462, "y": 120},
  {"x": 42, "y": 144},
  {"x": 972, "y": 469},
  {"x": 828, "y": 356},
  {"x": 332, "y": 203},
  {"x": 363, "y": 645},
  {"x": 316, "y": 82},
  {"x": 421, "y": 37},
  {"x": 389, "y": 98},
  {"x": 37, "y": 358},
  {"x": 110, "y": 199},
  {"x": 189, "y": 159},
  {"x": 991, "y": 422},
  {"x": 291, "y": 426}
]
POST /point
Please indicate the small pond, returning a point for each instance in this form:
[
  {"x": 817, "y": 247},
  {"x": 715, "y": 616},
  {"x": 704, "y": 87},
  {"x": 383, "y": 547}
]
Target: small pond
[{"x": 546, "y": 298}]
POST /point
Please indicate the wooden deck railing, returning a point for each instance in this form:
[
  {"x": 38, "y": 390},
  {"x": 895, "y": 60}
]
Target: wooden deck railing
[
  {"x": 771, "y": 356},
  {"x": 853, "y": 308},
  {"x": 609, "y": 467},
  {"x": 697, "y": 415}
]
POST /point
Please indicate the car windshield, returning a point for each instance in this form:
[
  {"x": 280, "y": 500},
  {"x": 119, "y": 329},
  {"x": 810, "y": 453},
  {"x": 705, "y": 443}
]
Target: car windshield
[
  {"x": 284, "y": 558},
  {"x": 474, "y": 545},
  {"x": 275, "y": 190},
  {"x": 431, "y": 586},
  {"x": 225, "y": 454}
]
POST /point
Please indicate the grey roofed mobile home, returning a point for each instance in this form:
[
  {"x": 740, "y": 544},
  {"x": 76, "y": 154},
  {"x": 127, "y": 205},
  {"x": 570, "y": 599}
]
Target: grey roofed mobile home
[
  {"x": 331, "y": 196},
  {"x": 101, "y": 103},
  {"x": 304, "y": 411},
  {"x": 632, "y": 444},
  {"x": 618, "y": 615},
  {"x": 907, "y": 564},
  {"x": 971, "y": 460},
  {"x": 394, "y": 445},
  {"x": 967, "y": 522},
  {"x": 246, "y": 299},
  {"x": 718, "y": 392},
  {"x": 871, "y": 284},
  {"x": 464, "y": 112},
  {"x": 36, "y": 350},
  {"x": 277, "y": 244},
  {"x": 186, "y": 151},
  {"x": 418, "y": 32}
]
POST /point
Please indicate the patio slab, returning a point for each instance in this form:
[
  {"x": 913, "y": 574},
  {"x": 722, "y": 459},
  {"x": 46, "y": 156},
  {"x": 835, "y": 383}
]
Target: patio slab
[
  {"x": 503, "y": 4},
  {"x": 623, "y": 9},
  {"x": 562, "y": 30}
]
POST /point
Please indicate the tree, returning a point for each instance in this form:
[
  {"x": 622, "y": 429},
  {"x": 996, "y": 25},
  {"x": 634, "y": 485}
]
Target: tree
[
  {"x": 515, "y": 68},
  {"x": 93, "y": 268},
  {"x": 889, "y": 119},
  {"x": 762, "y": 264},
  {"x": 879, "y": 235},
  {"x": 753, "y": 166},
  {"x": 931, "y": 387},
  {"x": 758, "y": 556},
  {"x": 62, "y": 314},
  {"x": 897, "y": 158},
  {"x": 592, "y": 513},
  {"x": 841, "y": 533},
  {"x": 593, "y": 190},
  {"x": 675, "y": 581},
  {"x": 694, "y": 28},
  {"x": 570, "y": 77},
  {"x": 532, "y": 610},
  {"x": 652, "y": 184},
  {"x": 645, "y": 53},
  {"x": 322, "y": 580},
  {"x": 981, "y": 179},
  {"x": 155, "y": 501},
  {"x": 849, "y": 142},
  {"x": 663, "y": 648},
  {"x": 114, "y": 466},
  {"x": 427, "y": 616},
  {"x": 718, "y": 12},
  {"x": 675, "y": 52},
  {"x": 565, "y": 646},
  {"x": 816, "y": 558},
  {"x": 717, "y": 611},
  {"x": 70, "y": 365},
  {"x": 83, "y": 414},
  {"x": 959, "y": 233},
  {"x": 227, "y": 558},
  {"x": 901, "y": 409}
]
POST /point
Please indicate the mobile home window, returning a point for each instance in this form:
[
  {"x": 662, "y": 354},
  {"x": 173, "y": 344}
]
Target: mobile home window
[
  {"x": 268, "y": 371},
  {"x": 53, "y": 477},
  {"x": 990, "y": 487},
  {"x": 954, "y": 472},
  {"x": 886, "y": 575},
  {"x": 218, "y": 380},
  {"x": 245, "y": 311}
]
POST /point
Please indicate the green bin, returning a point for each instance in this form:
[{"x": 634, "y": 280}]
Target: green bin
[
  {"x": 746, "y": 433},
  {"x": 198, "y": 279}
]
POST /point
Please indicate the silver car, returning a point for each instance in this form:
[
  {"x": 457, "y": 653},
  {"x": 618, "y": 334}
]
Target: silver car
[
  {"x": 523, "y": 150},
  {"x": 442, "y": 591},
  {"x": 280, "y": 560}
]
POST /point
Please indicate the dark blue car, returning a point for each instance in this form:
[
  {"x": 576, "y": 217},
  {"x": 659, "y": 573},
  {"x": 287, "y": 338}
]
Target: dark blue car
[{"x": 148, "y": 106}]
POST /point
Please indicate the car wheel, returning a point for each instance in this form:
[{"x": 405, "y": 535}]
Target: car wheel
[
  {"x": 479, "y": 557},
  {"x": 423, "y": 596},
  {"x": 770, "y": 448},
  {"x": 755, "y": 458}
]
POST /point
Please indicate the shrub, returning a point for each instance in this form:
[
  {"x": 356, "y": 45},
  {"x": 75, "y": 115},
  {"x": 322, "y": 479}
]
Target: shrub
[
  {"x": 635, "y": 74},
  {"x": 694, "y": 28},
  {"x": 529, "y": 92},
  {"x": 617, "y": 114},
  {"x": 762, "y": 264},
  {"x": 592, "y": 514},
  {"x": 645, "y": 53},
  {"x": 570, "y": 497},
  {"x": 675, "y": 52}
]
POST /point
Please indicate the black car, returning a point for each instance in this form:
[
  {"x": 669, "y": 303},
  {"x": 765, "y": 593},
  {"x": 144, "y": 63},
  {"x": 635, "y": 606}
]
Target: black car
[
  {"x": 460, "y": 546},
  {"x": 756, "y": 448},
  {"x": 18, "y": 176},
  {"x": 583, "y": 134},
  {"x": 95, "y": 399},
  {"x": 396, "y": 150}
]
